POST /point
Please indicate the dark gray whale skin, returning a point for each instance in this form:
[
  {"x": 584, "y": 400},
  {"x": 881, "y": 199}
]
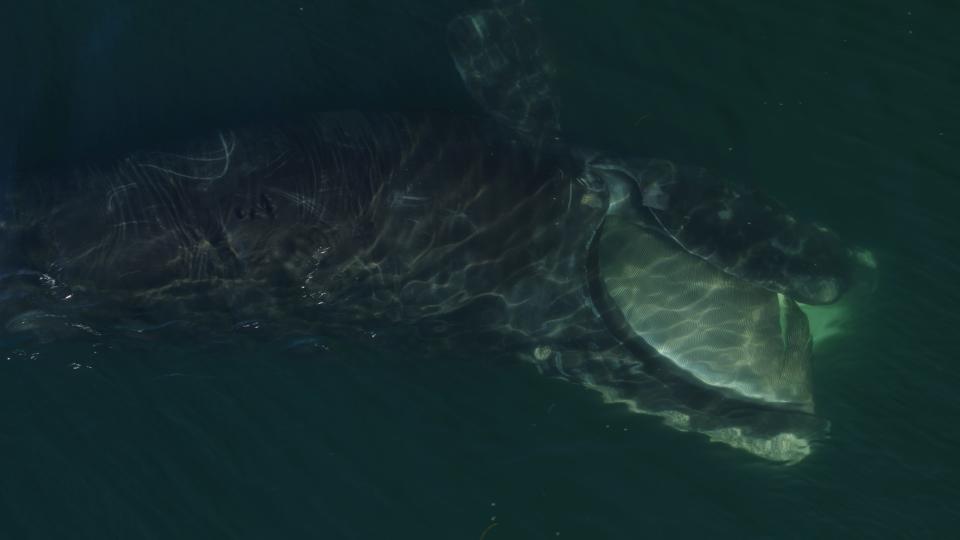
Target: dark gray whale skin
[
  {"x": 449, "y": 228},
  {"x": 342, "y": 219}
]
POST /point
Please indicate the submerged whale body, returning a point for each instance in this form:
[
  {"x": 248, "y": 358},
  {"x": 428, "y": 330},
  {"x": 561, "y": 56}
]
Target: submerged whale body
[{"x": 658, "y": 285}]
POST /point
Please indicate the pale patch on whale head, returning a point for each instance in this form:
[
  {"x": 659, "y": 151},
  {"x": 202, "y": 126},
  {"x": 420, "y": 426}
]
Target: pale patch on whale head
[
  {"x": 827, "y": 321},
  {"x": 785, "y": 447},
  {"x": 830, "y": 321}
]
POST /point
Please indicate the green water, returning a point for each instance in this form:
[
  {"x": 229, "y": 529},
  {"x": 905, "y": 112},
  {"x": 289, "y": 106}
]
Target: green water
[{"x": 846, "y": 111}]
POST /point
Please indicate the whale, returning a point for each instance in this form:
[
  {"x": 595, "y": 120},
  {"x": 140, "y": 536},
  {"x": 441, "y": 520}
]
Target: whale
[{"x": 662, "y": 286}]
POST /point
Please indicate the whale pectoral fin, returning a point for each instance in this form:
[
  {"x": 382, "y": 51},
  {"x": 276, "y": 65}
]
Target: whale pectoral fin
[{"x": 500, "y": 55}]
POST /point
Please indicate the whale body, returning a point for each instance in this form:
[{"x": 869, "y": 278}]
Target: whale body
[{"x": 656, "y": 284}]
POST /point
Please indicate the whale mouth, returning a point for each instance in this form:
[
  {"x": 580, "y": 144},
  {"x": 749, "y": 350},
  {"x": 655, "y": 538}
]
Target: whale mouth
[
  {"x": 733, "y": 358},
  {"x": 724, "y": 332}
]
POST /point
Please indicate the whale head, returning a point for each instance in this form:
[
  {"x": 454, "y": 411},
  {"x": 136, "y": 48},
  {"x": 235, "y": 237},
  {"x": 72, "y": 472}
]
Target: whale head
[{"x": 710, "y": 286}]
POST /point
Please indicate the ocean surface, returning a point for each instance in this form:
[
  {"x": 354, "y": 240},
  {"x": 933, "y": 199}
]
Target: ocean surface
[{"x": 846, "y": 111}]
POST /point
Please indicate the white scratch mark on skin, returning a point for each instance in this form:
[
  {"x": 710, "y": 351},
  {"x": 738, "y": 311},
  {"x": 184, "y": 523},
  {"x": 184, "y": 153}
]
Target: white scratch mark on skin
[
  {"x": 228, "y": 150},
  {"x": 116, "y": 192}
]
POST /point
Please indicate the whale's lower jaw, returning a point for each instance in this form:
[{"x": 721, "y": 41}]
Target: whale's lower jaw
[{"x": 722, "y": 331}]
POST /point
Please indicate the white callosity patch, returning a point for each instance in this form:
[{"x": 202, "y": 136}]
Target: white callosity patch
[{"x": 785, "y": 447}]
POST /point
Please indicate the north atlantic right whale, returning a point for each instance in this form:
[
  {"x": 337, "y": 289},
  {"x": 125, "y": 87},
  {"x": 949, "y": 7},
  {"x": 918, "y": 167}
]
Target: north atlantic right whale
[{"x": 659, "y": 285}]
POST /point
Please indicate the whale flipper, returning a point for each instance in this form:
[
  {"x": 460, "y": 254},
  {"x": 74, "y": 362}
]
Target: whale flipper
[{"x": 500, "y": 55}]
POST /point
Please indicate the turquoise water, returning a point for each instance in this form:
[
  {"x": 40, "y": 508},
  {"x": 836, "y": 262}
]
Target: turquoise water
[{"x": 846, "y": 112}]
